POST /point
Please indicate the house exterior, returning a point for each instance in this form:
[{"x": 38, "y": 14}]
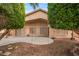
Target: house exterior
[{"x": 36, "y": 24}]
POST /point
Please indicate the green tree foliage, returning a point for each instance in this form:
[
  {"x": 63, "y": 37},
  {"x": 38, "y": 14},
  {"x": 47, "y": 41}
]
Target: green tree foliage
[
  {"x": 63, "y": 16},
  {"x": 14, "y": 15},
  {"x": 34, "y": 5}
]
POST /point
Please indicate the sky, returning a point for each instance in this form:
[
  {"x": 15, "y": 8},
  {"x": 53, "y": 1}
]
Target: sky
[{"x": 29, "y": 8}]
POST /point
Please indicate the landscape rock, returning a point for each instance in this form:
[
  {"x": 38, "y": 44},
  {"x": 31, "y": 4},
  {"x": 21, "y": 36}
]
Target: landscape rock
[
  {"x": 7, "y": 53},
  {"x": 10, "y": 48},
  {"x": 16, "y": 47},
  {"x": 9, "y": 45}
]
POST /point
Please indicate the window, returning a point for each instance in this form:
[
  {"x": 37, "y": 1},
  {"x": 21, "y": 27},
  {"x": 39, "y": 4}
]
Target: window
[
  {"x": 43, "y": 30},
  {"x": 32, "y": 30}
]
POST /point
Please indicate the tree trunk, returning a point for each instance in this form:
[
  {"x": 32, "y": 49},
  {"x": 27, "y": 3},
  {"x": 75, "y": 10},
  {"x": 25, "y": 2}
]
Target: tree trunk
[
  {"x": 1, "y": 36},
  {"x": 72, "y": 38}
]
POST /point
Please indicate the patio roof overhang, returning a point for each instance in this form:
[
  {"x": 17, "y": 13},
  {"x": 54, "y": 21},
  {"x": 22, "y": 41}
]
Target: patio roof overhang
[{"x": 38, "y": 19}]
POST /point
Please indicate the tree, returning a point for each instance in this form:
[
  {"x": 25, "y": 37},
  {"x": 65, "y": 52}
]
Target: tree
[
  {"x": 12, "y": 16},
  {"x": 64, "y": 16},
  {"x": 34, "y": 5}
]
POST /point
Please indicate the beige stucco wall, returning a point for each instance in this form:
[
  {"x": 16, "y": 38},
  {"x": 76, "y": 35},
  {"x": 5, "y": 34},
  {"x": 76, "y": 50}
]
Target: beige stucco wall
[
  {"x": 36, "y": 24},
  {"x": 27, "y": 29},
  {"x": 37, "y": 15},
  {"x": 12, "y": 32},
  {"x": 58, "y": 33}
]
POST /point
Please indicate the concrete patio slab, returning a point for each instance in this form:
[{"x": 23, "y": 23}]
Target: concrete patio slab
[{"x": 31, "y": 40}]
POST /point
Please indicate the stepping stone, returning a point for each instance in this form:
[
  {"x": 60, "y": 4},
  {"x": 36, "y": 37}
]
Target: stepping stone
[
  {"x": 9, "y": 45},
  {"x": 10, "y": 48},
  {"x": 16, "y": 47},
  {"x": 7, "y": 53}
]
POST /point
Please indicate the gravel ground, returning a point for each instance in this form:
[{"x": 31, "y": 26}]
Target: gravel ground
[{"x": 32, "y": 40}]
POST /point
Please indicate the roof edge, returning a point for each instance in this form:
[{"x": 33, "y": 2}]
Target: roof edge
[{"x": 36, "y": 11}]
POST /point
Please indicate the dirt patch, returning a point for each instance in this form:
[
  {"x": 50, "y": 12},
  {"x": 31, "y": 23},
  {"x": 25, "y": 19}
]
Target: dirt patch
[{"x": 58, "y": 48}]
